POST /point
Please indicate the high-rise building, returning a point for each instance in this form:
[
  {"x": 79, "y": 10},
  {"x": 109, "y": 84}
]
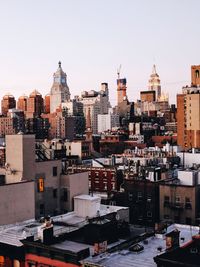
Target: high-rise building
[
  {"x": 121, "y": 90},
  {"x": 188, "y": 113},
  {"x": 108, "y": 121},
  {"x": 188, "y": 118},
  {"x": 22, "y": 103},
  {"x": 148, "y": 96},
  {"x": 59, "y": 90},
  {"x": 7, "y": 103},
  {"x": 154, "y": 83},
  {"x": 97, "y": 103},
  {"x": 47, "y": 103},
  {"x": 61, "y": 126},
  {"x": 35, "y": 104}
]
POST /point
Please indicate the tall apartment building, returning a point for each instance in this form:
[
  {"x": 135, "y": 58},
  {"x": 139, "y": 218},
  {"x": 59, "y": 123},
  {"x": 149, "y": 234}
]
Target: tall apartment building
[
  {"x": 61, "y": 126},
  {"x": 47, "y": 103},
  {"x": 97, "y": 103},
  {"x": 35, "y": 104},
  {"x": 59, "y": 90},
  {"x": 188, "y": 113},
  {"x": 7, "y": 103},
  {"x": 22, "y": 103},
  {"x": 108, "y": 121}
]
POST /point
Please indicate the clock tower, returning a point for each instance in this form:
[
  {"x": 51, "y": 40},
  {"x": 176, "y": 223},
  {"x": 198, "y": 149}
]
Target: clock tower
[{"x": 59, "y": 90}]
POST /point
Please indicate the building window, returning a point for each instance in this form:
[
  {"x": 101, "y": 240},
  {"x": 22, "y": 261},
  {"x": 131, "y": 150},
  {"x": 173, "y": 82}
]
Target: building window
[
  {"x": 188, "y": 220},
  {"x": 149, "y": 214},
  {"x": 197, "y": 73},
  {"x": 130, "y": 196},
  {"x": 55, "y": 193},
  {"x": 55, "y": 171},
  {"x": 139, "y": 196},
  {"x": 177, "y": 199},
  {"x": 149, "y": 198},
  {"x": 188, "y": 204},
  {"x": 40, "y": 185},
  {"x": 41, "y": 209},
  {"x": 166, "y": 201},
  {"x": 65, "y": 195}
]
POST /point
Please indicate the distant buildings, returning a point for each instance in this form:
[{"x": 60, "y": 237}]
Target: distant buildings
[
  {"x": 108, "y": 121},
  {"x": 97, "y": 102}
]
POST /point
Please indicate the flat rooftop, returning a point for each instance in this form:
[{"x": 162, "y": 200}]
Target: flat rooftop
[
  {"x": 144, "y": 258},
  {"x": 71, "y": 246}
]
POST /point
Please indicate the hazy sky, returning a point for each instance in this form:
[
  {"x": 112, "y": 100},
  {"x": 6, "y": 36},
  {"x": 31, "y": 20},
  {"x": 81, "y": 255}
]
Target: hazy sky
[{"x": 92, "y": 38}]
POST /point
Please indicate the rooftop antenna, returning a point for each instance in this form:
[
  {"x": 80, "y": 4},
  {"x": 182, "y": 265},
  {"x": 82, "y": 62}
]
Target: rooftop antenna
[{"x": 118, "y": 71}]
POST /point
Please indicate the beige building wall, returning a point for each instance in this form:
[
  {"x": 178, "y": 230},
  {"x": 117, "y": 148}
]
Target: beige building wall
[
  {"x": 48, "y": 200},
  {"x": 193, "y": 111},
  {"x": 20, "y": 158},
  {"x": 177, "y": 211},
  {"x": 75, "y": 184},
  {"x": 17, "y": 202}
]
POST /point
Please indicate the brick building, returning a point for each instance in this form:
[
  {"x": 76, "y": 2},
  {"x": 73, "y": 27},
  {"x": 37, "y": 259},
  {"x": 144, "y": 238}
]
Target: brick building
[{"x": 7, "y": 103}]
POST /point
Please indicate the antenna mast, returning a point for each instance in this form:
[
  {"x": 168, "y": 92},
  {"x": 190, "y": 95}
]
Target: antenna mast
[{"x": 118, "y": 71}]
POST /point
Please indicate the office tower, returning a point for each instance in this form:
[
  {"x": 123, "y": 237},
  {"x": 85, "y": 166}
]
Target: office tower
[{"x": 154, "y": 83}]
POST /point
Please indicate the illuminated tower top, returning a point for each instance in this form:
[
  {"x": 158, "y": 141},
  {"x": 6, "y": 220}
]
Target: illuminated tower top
[{"x": 154, "y": 83}]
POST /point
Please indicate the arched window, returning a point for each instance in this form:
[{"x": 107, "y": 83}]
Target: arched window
[{"x": 197, "y": 73}]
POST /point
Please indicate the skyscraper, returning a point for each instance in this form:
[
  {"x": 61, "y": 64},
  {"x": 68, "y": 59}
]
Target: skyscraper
[
  {"x": 121, "y": 90},
  {"x": 59, "y": 90},
  {"x": 154, "y": 83}
]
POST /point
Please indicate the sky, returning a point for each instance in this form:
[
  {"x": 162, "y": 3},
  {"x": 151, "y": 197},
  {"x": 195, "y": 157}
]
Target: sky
[{"x": 92, "y": 38}]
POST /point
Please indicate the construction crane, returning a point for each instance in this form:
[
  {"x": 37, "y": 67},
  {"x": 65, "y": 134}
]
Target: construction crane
[{"x": 118, "y": 71}]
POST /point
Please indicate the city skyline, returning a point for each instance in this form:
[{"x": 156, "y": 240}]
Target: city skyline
[{"x": 92, "y": 39}]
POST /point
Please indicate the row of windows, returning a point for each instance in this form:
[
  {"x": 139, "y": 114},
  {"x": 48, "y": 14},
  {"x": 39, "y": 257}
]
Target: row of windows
[{"x": 177, "y": 199}]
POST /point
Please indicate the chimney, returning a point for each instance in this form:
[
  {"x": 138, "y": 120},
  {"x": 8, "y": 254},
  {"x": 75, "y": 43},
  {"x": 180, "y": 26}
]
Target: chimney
[{"x": 45, "y": 231}]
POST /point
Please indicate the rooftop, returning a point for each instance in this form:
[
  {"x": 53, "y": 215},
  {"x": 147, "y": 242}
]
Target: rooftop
[{"x": 144, "y": 258}]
